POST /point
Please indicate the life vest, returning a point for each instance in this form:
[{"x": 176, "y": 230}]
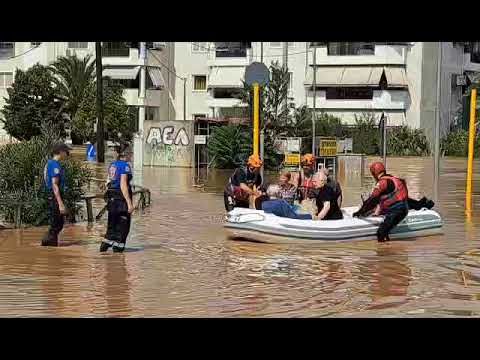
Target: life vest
[
  {"x": 398, "y": 196},
  {"x": 305, "y": 186}
]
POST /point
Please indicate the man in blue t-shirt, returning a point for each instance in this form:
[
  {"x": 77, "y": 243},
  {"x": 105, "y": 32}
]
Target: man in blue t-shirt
[
  {"x": 119, "y": 200},
  {"x": 54, "y": 177}
]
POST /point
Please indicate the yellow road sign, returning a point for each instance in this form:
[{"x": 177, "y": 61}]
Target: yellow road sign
[
  {"x": 328, "y": 147},
  {"x": 292, "y": 159}
]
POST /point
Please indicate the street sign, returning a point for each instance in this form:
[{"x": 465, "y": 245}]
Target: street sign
[
  {"x": 293, "y": 145},
  {"x": 257, "y": 73},
  {"x": 292, "y": 159},
  {"x": 328, "y": 147},
  {"x": 200, "y": 139}
]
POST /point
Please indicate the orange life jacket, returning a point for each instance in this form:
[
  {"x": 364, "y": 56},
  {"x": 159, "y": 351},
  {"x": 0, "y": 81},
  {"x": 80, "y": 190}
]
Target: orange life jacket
[{"x": 397, "y": 196}]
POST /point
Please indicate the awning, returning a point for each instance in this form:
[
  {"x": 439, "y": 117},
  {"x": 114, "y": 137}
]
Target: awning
[
  {"x": 396, "y": 77},
  {"x": 156, "y": 76},
  {"x": 338, "y": 76},
  {"x": 129, "y": 72},
  {"x": 226, "y": 77}
]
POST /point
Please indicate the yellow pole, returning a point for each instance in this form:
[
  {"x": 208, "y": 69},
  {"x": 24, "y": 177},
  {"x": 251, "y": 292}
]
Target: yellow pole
[
  {"x": 256, "y": 118},
  {"x": 471, "y": 140}
]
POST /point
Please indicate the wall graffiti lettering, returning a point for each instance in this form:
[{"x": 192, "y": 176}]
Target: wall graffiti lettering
[
  {"x": 167, "y": 136},
  {"x": 168, "y": 146}
]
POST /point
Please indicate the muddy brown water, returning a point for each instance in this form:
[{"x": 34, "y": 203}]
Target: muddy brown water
[{"x": 180, "y": 263}]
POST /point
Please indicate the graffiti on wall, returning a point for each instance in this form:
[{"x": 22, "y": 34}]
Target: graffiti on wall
[{"x": 168, "y": 146}]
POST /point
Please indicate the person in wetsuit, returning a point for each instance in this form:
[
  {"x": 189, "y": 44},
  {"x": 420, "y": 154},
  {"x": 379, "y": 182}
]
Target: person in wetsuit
[
  {"x": 241, "y": 184},
  {"x": 54, "y": 177},
  {"x": 119, "y": 201},
  {"x": 391, "y": 194}
]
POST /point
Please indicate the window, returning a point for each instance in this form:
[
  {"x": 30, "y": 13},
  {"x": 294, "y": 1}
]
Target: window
[
  {"x": 475, "y": 52},
  {"x": 199, "y": 82},
  {"x": 349, "y": 93},
  {"x": 78, "y": 45},
  {"x": 7, "y": 50},
  {"x": 35, "y": 44},
  {"x": 199, "y": 47},
  {"x": 351, "y": 48},
  {"x": 232, "y": 49},
  {"x": 151, "y": 113},
  {"x": 318, "y": 43},
  {"x": 115, "y": 49},
  {"x": 6, "y": 79}
]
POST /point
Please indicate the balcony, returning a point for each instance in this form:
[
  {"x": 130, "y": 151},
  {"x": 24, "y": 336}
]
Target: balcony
[
  {"x": 120, "y": 57},
  {"x": 379, "y": 55},
  {"x": 382, "y": 100},
  {"x": 223, "y": 103},
  {"x": 230, "y": 57}
]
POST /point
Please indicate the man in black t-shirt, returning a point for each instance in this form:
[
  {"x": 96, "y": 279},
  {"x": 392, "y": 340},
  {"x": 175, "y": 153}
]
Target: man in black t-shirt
[
  {"x": 241, "y": 184},
  {"x": 326, "y": 199}
]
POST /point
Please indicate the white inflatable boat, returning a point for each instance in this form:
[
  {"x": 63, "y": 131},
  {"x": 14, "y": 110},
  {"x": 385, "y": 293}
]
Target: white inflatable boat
[{"x": 255, "y": 225}]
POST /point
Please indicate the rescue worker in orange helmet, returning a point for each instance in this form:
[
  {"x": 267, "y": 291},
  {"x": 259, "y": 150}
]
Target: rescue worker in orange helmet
[
  {"x": 391, "y": 194},
  {"x": 240, "y": 185},
  {"x": 305, "y": 184}
]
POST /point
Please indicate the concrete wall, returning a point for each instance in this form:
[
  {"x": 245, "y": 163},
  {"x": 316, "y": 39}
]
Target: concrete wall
[{"x": 168, "y": 143}]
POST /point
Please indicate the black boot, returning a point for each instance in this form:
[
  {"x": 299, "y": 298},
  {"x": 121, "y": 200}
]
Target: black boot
[
  {"x": 50, "y": 240},
  {"x": 104, "y": 246},
  {"x": 429, "y": 204}
]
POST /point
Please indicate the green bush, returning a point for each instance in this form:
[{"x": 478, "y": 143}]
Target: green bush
[
  {"x": 404, "y": 141},
  {"x": 328, "y": 125},
  {"x": 456, "y": 144},
  {"x": 365, "y": 134},
  {"x": 21, "y": 179}
]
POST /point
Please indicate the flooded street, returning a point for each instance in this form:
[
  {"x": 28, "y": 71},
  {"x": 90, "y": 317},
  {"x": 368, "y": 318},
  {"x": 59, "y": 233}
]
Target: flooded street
[{"x": 179, "y": 262}]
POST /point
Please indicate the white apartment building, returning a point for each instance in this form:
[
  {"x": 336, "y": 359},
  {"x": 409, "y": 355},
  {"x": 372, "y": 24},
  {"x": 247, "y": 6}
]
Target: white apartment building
[
  {"x": 121, "y": 62},
  {"x": 397, "y": 79}
]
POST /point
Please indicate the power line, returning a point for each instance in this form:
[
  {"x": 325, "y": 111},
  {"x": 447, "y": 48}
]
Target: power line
[{"x": 165, "y": 66}]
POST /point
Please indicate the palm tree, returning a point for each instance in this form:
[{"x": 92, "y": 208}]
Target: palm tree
[{"x": 72, "y": 77}]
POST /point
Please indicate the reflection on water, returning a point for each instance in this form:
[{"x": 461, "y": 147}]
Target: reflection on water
[{"x": 179, "y": 262}]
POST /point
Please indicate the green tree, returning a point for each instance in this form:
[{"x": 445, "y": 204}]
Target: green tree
[
  {"x": 72, "y": 76},
  {"x": 118, "y": 116},
  {"x": 229, "y": 146},
  {"x": 32, "y": 101}
]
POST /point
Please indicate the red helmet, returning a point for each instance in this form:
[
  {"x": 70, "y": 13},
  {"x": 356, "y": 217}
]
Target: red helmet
[{"x": 376, "y": 169}]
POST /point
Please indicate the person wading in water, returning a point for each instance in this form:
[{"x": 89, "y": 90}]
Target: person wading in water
[{"x": 119, "y": 201}]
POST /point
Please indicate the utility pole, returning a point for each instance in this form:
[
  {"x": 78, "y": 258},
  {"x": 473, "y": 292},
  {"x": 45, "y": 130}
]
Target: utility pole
[
  {"x": 314, "y": 114},
  {"x": 436, "y": 174},
  {"x": 285, "y": 64},
  {"x": 100, "y": 128},
  {"x": 261, "y": 52},
  {"x": 138, "y": 144}
]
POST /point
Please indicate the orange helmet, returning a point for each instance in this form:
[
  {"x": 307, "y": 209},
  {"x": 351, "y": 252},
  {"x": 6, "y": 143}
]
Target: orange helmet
[
  {"x": 376, "y": 169},
  {"x": 254, "y": 161},
  {"x": 308, "y": 160}
]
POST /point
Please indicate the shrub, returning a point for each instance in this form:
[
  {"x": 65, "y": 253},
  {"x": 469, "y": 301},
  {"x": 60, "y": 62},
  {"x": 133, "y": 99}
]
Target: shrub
[
  {"x": 229, "y": 146},
  {"x": 404, "y": 141},
  {"x": 365, "y": 134},
  {"x": 456, "y": 144},
  {"x": 21, "y": 179}
]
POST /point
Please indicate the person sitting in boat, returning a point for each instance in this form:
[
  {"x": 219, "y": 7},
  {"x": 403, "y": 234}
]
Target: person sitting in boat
[
  {"x": 391, "y": 194},
  {"x": 286, "y": 191},
  {"x": 334, "y": 185},
  {"x": 244, "y": 182},
  {"x": 280, "y": 207},
  {"x": 326, "y": 199}
]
